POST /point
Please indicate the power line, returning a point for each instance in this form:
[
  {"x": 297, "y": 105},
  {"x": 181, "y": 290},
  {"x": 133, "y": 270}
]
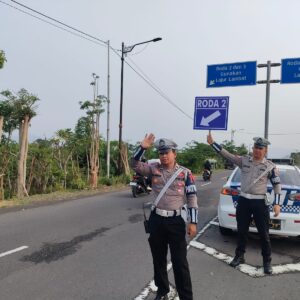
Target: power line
[
  {"x": 59, "y": 27},
  {"x": 157, "y": 89},
  {"x": 135, "y": 53},
  {"x": 62, "y": 23},
  {"x": 102, "y": 43}
]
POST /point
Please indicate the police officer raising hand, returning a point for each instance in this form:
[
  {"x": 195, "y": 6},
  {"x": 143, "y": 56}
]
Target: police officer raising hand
[
  {"x": 175, "y": 198},
  {"x": 252, "y": 202},
  {"x": 148, "y": 141}
]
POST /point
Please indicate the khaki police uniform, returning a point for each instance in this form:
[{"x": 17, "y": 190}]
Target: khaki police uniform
[
  {"x": 251, "y": 202},
  {"x": 167, "y": 227}
]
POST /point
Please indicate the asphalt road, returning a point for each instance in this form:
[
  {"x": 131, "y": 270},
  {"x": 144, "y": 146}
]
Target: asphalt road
[{"x": 96, "y": 248}]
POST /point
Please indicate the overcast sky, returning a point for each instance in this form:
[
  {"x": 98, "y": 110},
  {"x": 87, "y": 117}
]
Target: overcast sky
[{"x": 57, "y": 66}]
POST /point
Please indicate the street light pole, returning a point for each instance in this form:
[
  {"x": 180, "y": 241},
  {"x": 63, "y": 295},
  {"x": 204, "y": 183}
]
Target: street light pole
[{"x": 124, "y": 51}]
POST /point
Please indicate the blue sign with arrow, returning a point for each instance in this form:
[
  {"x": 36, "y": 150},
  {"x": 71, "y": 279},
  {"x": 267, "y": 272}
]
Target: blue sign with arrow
[
  {"x": 233, "y": 74},
  {"x": 211, "y": 113},
  {"x": 290, "y": 70}
]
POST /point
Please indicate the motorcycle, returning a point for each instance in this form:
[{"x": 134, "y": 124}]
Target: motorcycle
[
  {"x": 139, "y": 185},
  {"x": 206, "y": 175}
]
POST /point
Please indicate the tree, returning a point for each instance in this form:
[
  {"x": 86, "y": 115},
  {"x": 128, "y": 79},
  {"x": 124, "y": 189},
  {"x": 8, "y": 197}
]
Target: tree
[
  {"x": 194, "y": 155},
  {"x": 64, "y": 144},
  {"x": 24, "y": 109},
  {"x": 40, "y": 173},
  {"x": 2, "y": 58},
  {"x": 5, "y": 112},
  {"x": 93, "y": 111}
]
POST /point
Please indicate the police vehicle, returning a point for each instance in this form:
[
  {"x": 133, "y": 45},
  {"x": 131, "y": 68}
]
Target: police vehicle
[{"x": 288, "y": 221}]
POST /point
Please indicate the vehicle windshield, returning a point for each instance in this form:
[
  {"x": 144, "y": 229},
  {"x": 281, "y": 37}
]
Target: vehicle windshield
[{"x": 288, "y": 176}]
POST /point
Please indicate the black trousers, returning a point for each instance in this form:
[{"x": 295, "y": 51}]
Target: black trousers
[
  {"x": 256, "y": 208},
  {"x": 163, "y": 232}
]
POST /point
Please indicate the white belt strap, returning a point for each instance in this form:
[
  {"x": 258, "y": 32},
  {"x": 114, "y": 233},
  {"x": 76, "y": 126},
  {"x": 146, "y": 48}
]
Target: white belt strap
[
  {"x": 166, "y": 213},
  {"x": 167, "y": 186}
]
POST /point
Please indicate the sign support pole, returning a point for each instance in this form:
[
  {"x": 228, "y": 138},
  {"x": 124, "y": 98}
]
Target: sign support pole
[{"x": 268, "y": 65}]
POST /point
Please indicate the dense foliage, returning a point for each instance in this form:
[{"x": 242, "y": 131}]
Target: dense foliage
[{"x": 63, "y": 161}]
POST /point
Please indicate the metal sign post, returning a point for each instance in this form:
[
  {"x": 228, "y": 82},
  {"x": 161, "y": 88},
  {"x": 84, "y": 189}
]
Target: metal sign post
[{"x": 268, "y": 65}]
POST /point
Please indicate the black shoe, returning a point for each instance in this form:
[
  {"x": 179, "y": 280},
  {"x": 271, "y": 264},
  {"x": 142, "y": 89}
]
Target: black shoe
[
  {"x": 161, "y": 297},
  {"x": 237, "y": 261},
  {"x": 268, "y": 268}
]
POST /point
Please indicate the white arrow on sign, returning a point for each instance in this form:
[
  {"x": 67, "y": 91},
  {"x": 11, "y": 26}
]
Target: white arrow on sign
[{"x": 213, "y": 116}]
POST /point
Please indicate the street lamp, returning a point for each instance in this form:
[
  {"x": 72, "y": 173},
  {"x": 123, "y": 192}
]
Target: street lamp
[{"x": 124, "y": 51}]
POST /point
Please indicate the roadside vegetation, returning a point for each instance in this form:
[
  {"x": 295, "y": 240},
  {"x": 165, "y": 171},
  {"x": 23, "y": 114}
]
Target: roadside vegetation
[{"x": 73, "y": 159}]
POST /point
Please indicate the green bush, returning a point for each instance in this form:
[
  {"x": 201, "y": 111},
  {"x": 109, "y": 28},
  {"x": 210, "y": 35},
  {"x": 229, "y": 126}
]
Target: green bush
[
  {"x": 106, "y": 181},
  {"x": 124, "y": 179},
  {"x": 78, "y": 184}
]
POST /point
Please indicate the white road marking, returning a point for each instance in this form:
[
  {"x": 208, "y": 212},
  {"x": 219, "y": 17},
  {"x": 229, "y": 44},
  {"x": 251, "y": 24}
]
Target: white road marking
[
  {"x": 244, "y": 268},
  {"x": 205, "y": 184},
  {"x": 214, "y": 223},
  {"x": 224, "y": 177},
  {"x": 151, "y": 287},
  {"x": 13, "y": 251}
]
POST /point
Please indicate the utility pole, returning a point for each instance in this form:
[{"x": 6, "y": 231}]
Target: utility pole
[
  {"x": 268, "y": 65},
  {"x": 108, "y": 113}
]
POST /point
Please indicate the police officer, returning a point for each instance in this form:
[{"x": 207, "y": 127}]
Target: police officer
[
  {"x": 251, "y": 201},
  {"x": 167, "y": 227}
]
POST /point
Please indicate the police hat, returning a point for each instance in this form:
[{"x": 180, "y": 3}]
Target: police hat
[
  {"x": 261, "y": 142},
  {"x": 165, "y": 145}
]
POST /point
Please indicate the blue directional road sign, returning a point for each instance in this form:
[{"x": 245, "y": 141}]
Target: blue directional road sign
[
  {"x": 211, "y": 113},
  {"x": 290, "y": 70},
  {"x": 234, "y": 74}
]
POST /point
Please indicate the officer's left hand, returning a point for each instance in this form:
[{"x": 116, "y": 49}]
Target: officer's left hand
[
  {"x": 192, "y": 230},
  {"x": 276, "y": 210}
]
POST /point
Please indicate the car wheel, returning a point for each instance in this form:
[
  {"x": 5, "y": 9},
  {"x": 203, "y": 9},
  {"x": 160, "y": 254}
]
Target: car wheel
[{"x": 225, "y": 231}]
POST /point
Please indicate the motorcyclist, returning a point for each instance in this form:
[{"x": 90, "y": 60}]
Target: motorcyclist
[{"x": 208, "y": 167}]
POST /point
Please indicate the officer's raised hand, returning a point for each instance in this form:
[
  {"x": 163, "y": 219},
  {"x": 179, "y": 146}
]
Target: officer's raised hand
[
  {"x": 148, "y": 141},
  {"x": 210, "y": 139}
]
